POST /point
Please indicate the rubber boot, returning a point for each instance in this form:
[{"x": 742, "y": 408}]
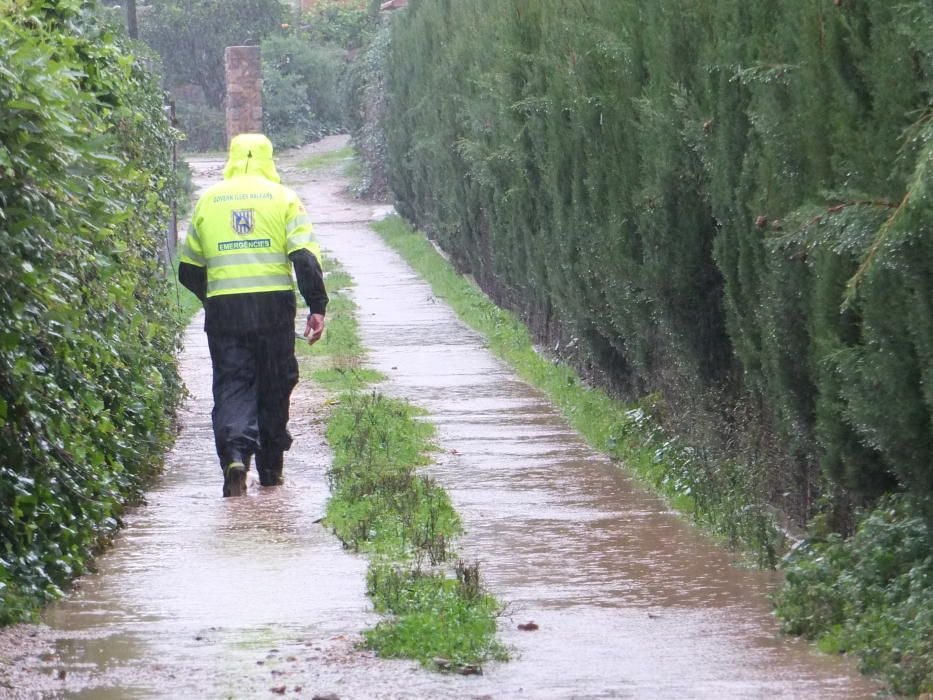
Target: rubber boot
[
  {"x": 269, "y": 466},
  {"x": 235, "y": 479},
  {"x": 235, "y": 475}
]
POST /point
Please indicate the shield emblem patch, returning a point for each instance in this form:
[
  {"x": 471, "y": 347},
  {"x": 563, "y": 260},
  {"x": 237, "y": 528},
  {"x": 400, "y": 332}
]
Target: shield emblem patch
[{"x": 242, "y": 221}]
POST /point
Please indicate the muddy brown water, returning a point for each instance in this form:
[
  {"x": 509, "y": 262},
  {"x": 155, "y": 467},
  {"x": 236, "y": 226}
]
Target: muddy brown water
[{"x": 206, "y": 597}]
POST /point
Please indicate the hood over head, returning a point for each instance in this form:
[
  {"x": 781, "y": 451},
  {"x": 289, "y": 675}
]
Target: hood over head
[{"x": 251, "y": 154}]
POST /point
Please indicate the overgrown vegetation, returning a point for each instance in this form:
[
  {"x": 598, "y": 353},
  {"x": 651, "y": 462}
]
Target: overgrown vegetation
[
  {"x": 87, "y": 339},
  {"x": 338, "y": 22},
  {"x": 870, "y": 595},
  {"x": 686, "y": 208},
  {"x": 301, "y": 93},
  {"x": 191, "y": 35},
  {"x": 305, "y": 72},
  {"x": 204, "y": 127},
  {"x": 401, "y": 519},
  {"x": 366, "y": 105}
]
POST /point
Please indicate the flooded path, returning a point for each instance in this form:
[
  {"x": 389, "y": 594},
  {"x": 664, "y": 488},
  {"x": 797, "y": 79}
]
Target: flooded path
[
  {"x": 630, "y": 601},
  {"x": 243, "y": 598}
]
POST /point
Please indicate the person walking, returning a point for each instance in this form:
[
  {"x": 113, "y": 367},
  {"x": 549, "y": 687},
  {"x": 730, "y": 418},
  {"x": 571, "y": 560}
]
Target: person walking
[{"x": 245, "y": 235}]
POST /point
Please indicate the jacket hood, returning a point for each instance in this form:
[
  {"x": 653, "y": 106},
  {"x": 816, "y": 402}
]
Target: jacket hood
[{"x": 251, "y": 154}]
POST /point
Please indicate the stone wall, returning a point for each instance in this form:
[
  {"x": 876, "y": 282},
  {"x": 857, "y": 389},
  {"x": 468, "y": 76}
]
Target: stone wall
[{"x": 243, "y": 102}]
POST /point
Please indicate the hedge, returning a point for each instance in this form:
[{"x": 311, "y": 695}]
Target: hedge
[
  {"x": 88, "y": 377},
  {"x": 726, "y": 204}
]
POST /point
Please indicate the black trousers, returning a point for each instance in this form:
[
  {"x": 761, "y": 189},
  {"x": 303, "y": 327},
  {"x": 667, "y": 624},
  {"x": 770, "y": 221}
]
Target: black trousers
[{"x": 254, "y": 375}]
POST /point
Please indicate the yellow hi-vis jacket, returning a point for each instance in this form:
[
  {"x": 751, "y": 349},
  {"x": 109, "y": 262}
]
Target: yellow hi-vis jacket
[{"x": 244, "y": 228}]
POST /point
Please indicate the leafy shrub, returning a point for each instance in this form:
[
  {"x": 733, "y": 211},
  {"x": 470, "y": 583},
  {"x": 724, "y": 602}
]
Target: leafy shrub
[
  {"x": 87, "y": 370},
  {"x": 302, "y": 98},
  {"x": 366, "y": 95},
  {"x": 204, "y": 127},
  {"x": 304, "y": 60},
  {"x": 871, "y": 595},
  {"x": 191, "y": 35},
  {"x": 336, "y": 22}
]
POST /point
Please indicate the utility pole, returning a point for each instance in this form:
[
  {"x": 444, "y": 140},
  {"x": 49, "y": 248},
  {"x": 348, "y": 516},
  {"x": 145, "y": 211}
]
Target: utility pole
[{"x": 131, "y": 27}]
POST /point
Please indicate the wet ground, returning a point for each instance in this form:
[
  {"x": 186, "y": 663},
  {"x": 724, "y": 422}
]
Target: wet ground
[{"x": 206, "y": 597}]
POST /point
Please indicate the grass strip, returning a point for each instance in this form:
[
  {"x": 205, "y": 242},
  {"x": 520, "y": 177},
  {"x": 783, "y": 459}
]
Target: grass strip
[
  {"x": 334, "y": 361},
  {"x": 439, "y": 612},
  {"x": 724, "y": 499},
  {"x": 320, "y": 161},
  {"x": 381, "y": 505}
]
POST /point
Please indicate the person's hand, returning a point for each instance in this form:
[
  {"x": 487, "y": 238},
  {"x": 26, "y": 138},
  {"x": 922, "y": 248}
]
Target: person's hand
[{"x": 314, "y": 328}]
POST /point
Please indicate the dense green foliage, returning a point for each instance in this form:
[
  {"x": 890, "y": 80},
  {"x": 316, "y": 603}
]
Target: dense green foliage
[
  {"x": 304, "y": 61},
  {"x": 336, "y": 22},
  {"x": 871, "y": 595},
  {"x": 723, "y": 202},
  {"x": 191, "y": 35},
  {"x": 301, "y": 91},
  {"x": 87, "y": 338},
  {"x": 305, "y": 72},
  {"x": 366, "y": 115}
]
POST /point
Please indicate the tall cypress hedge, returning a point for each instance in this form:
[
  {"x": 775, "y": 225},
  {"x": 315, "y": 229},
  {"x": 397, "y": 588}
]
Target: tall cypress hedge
[
  {"x": 723, "y": 202},
  {"x": 87, "y": 371}
]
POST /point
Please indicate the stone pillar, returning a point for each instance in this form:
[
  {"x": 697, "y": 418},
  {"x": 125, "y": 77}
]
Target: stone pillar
[{"x": 243, "y": 71}]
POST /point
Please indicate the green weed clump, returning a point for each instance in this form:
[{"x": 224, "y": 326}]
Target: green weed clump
[
  {"x": 724, "y": 497},
  {"x": 88, "y": 379},
  {"x": 438, "y": 619},
  {"x": 403, "y": 520},
  {"x": 379, "y": 501},
  {"x": 381, "y": 505},
  {"x": 870, "y": 595},
  {"x": 348, "y": 378}
]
